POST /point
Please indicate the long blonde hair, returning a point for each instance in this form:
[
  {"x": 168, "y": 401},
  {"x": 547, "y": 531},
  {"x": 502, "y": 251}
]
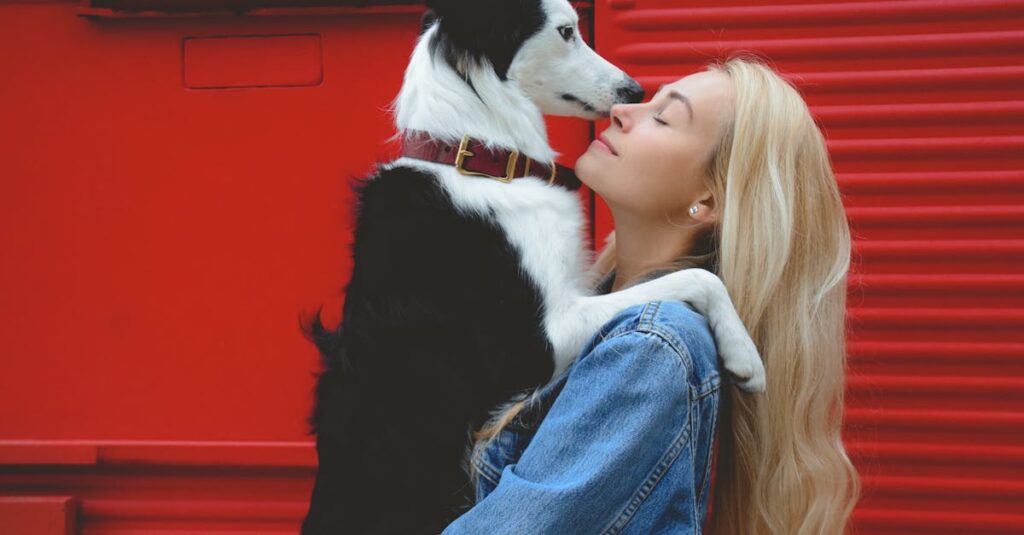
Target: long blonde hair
[{"x": 782, "y": 248}]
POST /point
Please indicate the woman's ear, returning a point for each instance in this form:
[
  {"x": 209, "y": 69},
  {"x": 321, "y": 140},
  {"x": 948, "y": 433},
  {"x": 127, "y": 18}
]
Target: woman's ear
[{"x": 705, "y": 210}]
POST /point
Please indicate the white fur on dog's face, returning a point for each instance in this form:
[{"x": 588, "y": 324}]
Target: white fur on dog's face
[{"x": 565, "y": 76}]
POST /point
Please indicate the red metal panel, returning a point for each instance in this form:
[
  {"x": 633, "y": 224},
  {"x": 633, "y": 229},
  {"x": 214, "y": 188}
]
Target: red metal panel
[
  {"x": 234, "y": 8},
  {"x": 922, "y": 102},
  {"x": 160, "y": 241},
  {"x": 253, "y": 61},
  {"x": 38, "y": 516}
]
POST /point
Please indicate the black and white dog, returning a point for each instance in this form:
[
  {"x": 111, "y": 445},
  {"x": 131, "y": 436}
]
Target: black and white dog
[{"x": 466, "y": 289}]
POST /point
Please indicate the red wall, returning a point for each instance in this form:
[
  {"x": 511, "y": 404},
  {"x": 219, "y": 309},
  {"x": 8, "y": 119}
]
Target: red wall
[{"x": 174, "y": 195}]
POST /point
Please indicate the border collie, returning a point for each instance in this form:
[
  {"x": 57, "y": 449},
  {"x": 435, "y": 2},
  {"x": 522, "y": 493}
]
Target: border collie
[{"x": 466, "y": 289}]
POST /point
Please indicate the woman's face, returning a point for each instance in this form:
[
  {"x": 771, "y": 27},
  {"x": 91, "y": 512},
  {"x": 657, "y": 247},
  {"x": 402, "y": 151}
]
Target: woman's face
[{"x": 652, "y": 158}]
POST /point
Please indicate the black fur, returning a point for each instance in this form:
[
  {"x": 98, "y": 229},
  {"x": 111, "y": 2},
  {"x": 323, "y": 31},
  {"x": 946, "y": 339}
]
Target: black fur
[
  {"x": 440, "y": 325},
  {"x": 484, "y": 29},
  {"x": 427, "y": 20}
]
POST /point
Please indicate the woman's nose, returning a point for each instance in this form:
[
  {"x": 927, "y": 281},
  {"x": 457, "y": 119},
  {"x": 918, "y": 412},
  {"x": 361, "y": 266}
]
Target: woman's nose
[{"x": 619, "y": 116}]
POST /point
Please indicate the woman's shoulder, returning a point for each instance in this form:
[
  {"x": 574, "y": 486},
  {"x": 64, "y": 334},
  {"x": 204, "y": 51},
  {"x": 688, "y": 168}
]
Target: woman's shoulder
[
  {"x": 676, "y": 320},
  {"x": 672, "y": 328}
]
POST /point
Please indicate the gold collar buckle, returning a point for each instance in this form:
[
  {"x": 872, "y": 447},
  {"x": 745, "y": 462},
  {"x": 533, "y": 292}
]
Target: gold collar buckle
[{"x": 460, "y": 160}]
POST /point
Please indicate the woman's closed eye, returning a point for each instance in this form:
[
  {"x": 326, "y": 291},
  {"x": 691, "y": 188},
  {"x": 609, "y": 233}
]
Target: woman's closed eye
[{"x": 660, "y": 120}]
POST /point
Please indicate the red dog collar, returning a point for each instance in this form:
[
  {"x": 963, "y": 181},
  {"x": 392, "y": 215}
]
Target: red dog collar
[{"x": 470, "y": 157}]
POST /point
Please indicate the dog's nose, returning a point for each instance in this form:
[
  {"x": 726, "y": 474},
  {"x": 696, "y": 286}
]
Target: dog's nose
[{"x": 631, "y": 93}]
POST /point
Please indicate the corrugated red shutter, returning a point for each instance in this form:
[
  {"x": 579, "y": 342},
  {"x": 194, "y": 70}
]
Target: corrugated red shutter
[{"x": 923, "y": 105}]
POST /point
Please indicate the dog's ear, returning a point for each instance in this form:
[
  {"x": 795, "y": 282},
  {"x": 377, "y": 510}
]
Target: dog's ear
[
  {"x": 442, "y": 7},
  {"x": 485, "y": 12},
  {"x": 491, "y": 29},
  {"x": 428, "y": 19}
]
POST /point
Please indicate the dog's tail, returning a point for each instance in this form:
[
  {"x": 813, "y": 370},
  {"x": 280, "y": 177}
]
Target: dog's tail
[{"x": 331, "y": 345}]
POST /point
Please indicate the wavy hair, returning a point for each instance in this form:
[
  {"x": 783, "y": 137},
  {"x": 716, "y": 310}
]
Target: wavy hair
[{"x": 782, "y": 248}]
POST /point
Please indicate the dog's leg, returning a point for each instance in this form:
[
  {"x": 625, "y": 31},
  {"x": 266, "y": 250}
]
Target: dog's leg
[{"x": 701, "y": 288}]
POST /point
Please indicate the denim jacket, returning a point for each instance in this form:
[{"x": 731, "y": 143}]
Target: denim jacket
[{"x": 619, "y": 443}]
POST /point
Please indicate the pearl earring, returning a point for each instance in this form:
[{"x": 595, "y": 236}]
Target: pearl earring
[{"x": 693, "y": 210}]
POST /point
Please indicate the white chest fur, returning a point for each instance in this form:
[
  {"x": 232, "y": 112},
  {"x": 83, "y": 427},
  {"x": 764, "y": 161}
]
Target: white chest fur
[{"x": 545, "y": 224}]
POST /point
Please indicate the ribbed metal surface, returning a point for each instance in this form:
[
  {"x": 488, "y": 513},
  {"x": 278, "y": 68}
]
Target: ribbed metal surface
[
  {"x": 143, "y": 487},
  {"x": 922, "y": 102}
]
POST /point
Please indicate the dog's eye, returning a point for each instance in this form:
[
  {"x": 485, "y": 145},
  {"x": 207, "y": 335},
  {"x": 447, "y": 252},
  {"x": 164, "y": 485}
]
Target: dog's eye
[{"x": 566, "y": 32}]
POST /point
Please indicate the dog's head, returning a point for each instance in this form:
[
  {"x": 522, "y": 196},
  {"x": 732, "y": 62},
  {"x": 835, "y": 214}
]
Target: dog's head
[{"x": 535, "y": 44}]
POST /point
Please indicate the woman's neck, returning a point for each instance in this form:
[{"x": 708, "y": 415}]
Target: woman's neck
[{"x": 642, "y": 245}]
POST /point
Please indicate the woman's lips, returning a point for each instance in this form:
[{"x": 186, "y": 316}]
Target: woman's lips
[{"x": 601, "y": 144}]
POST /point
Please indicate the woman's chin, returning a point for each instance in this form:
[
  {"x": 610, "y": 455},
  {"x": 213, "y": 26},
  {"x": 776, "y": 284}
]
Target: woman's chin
[{"x": 585, "y": 169}]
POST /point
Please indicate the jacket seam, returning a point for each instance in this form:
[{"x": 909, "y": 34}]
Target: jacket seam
[
  {"x": 693, "y": 462},
  {"x": 706, "y": 386},
  {"x": 668, "y": 338},
  {"x": 707, "y": 462},
  {"x": 646, "y": 316},
  {"x": 667, "y": 459},
  {"x": 645, "y": 324},
  {"x": 653, "y": 478},
  {"x": 489, "y": 472}
]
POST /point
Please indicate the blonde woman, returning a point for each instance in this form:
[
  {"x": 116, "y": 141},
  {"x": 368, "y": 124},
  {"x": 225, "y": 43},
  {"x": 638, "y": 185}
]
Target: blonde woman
[{"x": 723, "y": 170}]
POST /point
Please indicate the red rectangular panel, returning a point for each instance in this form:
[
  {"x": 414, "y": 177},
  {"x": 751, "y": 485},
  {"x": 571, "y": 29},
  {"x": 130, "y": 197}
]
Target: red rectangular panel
[
  {"x": 256, "y": 61},
  {"x": 37, "y": 515}
]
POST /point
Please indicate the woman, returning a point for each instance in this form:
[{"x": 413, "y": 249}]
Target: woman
[{"x": 724, "y": 170}]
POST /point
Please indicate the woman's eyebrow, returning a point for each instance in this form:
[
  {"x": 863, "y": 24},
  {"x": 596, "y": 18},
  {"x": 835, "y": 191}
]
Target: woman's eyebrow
[{"x": 673, "y": 94}]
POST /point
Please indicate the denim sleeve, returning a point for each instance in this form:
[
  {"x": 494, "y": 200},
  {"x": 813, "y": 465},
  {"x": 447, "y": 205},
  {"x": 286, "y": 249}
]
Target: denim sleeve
[{"x": 609, "y": 437}]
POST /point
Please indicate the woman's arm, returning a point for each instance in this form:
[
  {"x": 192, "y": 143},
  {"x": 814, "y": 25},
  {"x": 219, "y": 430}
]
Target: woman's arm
[{"x": 611, "y": 434}]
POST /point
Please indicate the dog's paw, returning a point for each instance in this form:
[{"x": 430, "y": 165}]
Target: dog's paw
[{"x": 741, "y": 359}]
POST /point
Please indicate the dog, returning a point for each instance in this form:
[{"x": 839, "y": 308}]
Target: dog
[{"x": 469, "y": 285}]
